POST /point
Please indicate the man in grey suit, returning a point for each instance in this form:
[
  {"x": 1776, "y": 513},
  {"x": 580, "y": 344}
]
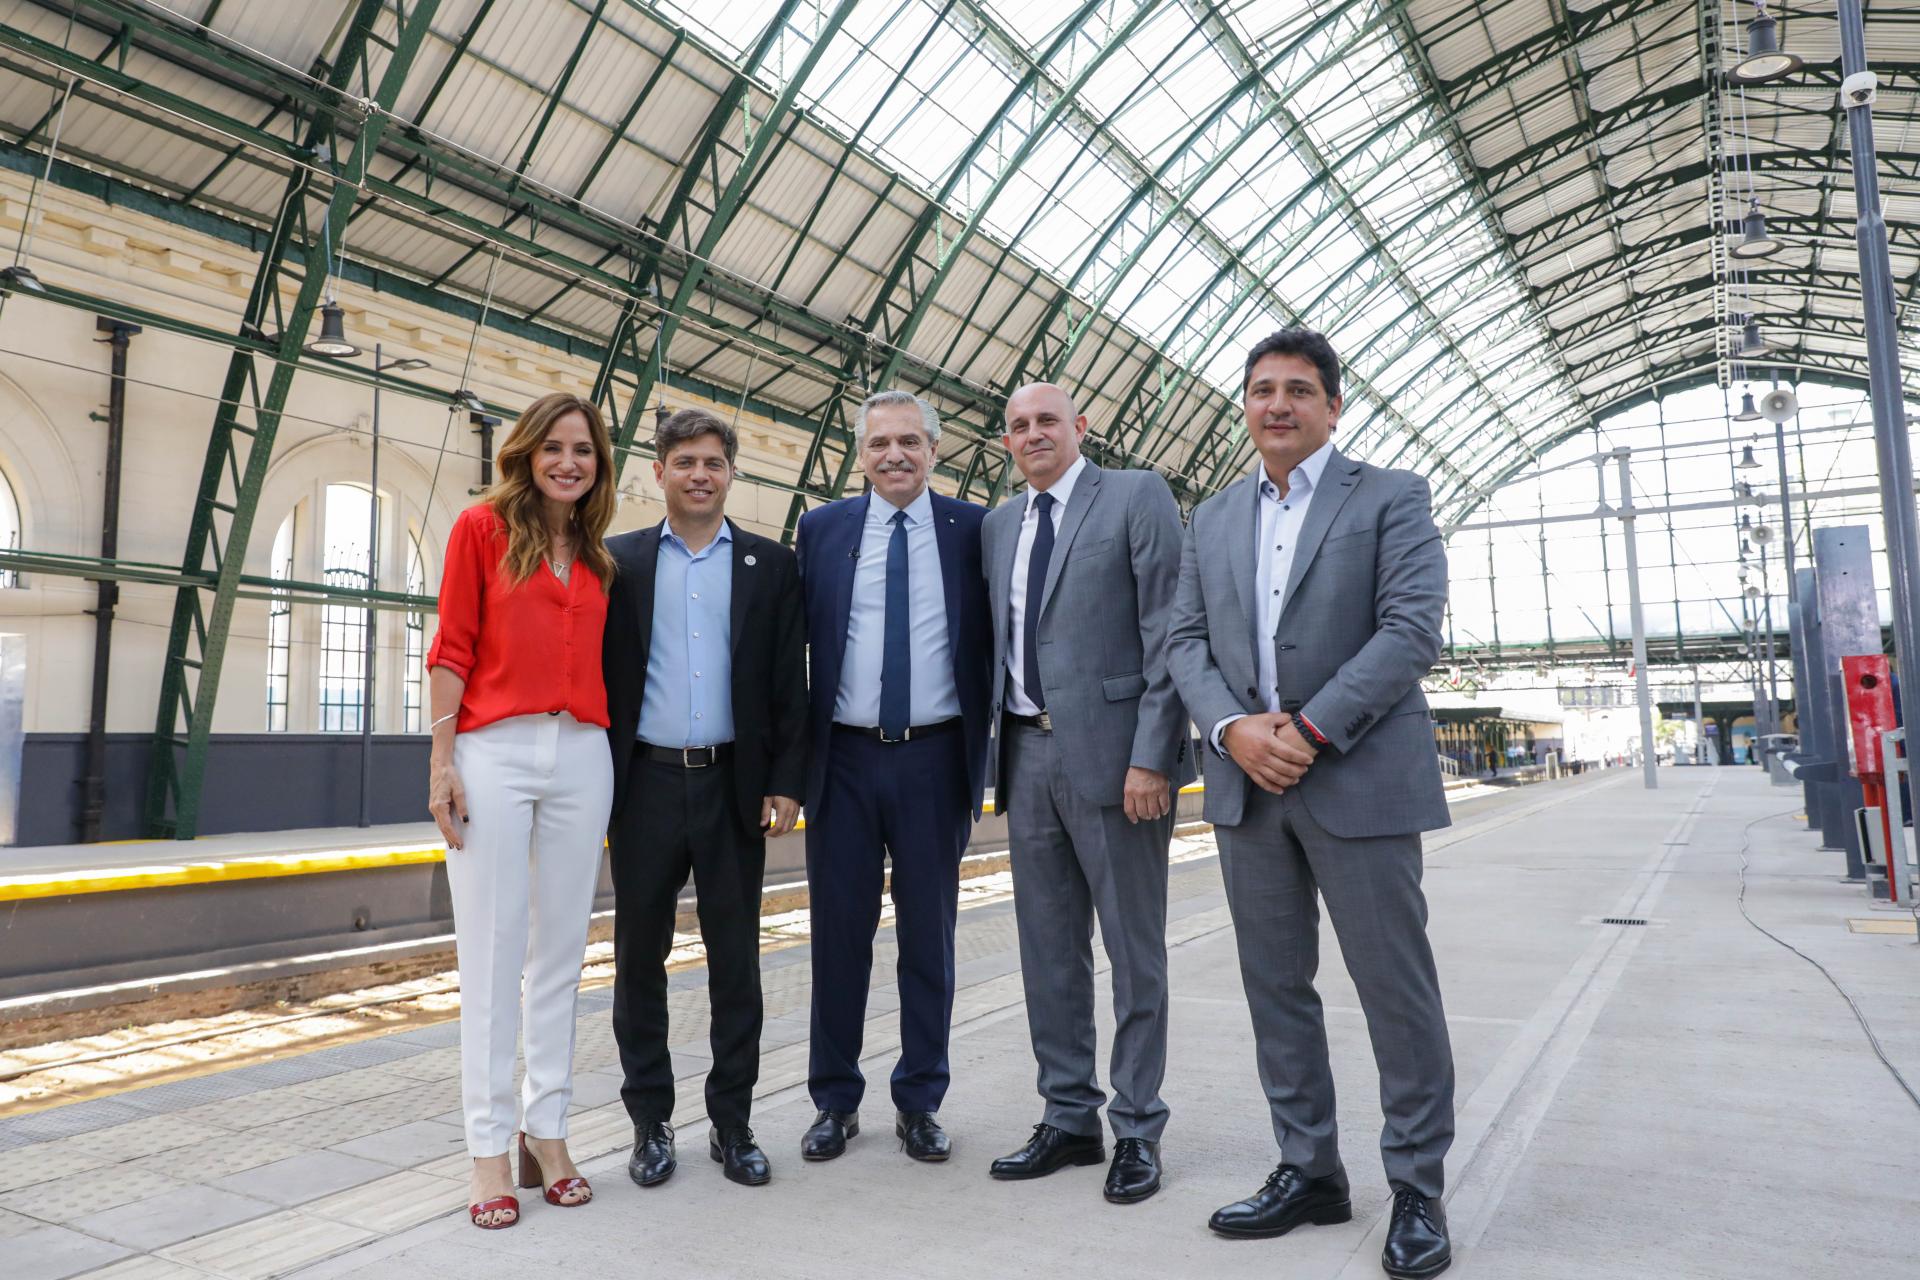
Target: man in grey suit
[
  {"x": 1309, "y": 607},
  {"x": 1080, "y": 575}
]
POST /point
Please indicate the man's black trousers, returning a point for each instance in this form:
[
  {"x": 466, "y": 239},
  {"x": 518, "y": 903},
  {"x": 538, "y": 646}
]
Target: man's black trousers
[{"x": 675, "y": 821}]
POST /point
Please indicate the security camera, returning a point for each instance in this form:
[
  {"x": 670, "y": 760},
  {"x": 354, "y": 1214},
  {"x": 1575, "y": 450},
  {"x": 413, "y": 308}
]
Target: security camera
[{"x": 1857, "y": 90}]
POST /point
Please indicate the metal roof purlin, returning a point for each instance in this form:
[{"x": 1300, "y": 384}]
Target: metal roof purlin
[
  {"x": 921, "y": 299},
  {"x": 730, "y": 201},
  {"x": 1358, "y": 219}
]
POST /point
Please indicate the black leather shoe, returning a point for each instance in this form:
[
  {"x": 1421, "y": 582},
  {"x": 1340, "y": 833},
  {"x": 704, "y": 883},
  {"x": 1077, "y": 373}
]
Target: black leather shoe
[
  {"x": 652, "y": 1161},
  {"x": 1417, "y": 1245},
  {"x": 1135, "y": 1172},
  {"x": 739, "y": 1156},
  {"x": 828, "y": 1136},
  {"x": 1047, "y": 1150},
  {"x": 1289, "y": 1199},
  {"x": 922, "y": 1136}
]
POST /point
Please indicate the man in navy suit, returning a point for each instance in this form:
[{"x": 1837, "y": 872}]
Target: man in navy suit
[{"x": 900, "y": 646}]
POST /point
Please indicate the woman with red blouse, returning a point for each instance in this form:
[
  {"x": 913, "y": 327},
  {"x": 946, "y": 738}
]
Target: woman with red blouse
[{"x": 521, "y": 779}]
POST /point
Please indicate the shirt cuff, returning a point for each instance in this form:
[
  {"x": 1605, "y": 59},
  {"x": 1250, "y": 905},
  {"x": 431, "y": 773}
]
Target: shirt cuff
[
  {"x": 462, "y": 670},
  {"x": 1318, "y": 738},
  {"x": 1220, "y": 728}
]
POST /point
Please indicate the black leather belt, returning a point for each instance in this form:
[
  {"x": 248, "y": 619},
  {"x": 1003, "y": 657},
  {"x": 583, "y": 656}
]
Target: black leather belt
[
  {"x": 1043, "y": 722},
  {"x": 687, "y": 757},
  {"x": 913, "y": 733}
]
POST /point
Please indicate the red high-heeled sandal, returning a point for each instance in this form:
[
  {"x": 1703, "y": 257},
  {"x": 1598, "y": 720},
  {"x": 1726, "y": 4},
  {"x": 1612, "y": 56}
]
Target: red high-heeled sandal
[
  {"x": 530, "y": 1176},
  {"x": 494, "y": 1205}
]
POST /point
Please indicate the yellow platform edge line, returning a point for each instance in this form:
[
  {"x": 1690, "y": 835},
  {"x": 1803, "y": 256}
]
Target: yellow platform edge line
[{"x": 60, "y": 884}]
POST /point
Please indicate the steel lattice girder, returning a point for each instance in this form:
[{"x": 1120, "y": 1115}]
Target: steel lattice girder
[
  {"x": 733, "y": 197},
  {"x": 920, "y": 296},
  {"x": 451, "y": 165},
  {"x": 197, "y": 640}
]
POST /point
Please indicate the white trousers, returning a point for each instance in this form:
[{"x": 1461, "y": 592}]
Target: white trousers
[{"x": 538, "y": 790}]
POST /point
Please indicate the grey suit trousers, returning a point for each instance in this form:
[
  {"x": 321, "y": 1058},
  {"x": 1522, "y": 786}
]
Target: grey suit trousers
[
  {"x": 1073, "y": 860},
  {"x": 1273, "y": 862}
]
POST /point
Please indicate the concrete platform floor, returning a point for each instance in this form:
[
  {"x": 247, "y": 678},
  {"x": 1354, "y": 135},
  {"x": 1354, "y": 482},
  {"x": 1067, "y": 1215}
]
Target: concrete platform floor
[{"x": 1679, "y": 1099}]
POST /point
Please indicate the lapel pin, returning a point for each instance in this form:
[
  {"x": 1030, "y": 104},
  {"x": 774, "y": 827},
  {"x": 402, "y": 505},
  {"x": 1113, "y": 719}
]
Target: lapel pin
[{"x": 749, "y": 560}]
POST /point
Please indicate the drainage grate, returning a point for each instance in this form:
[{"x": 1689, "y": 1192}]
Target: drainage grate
[{"x": 1621, "y": 920}]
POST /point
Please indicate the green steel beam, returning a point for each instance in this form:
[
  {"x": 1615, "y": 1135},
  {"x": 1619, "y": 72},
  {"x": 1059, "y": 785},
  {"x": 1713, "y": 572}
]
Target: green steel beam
[
  {"x": 920, "y": 295},
  {"x": 1169, "y": 207},
  {"x": 947, "y": 252},
  {"x": 732, "y": 198},
  {"x": 238, "y": 452}
]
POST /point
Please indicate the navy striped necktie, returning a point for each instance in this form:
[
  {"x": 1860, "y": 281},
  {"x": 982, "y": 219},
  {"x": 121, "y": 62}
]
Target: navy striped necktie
[
  {"x": 896, "y": 661},
  {"x": 1036, "y": 587}
]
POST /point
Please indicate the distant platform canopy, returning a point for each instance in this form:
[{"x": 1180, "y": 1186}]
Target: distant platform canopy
[{"x": 1511, "y": 216}]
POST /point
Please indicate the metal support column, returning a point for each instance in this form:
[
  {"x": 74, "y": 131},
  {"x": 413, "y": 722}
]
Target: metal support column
[
  {"x": 1650, "y": 764},
  {"x": 93, "y": 784},
  {"x": 1699, "y": 723},
  {"x": 238, "y": 451},
  {"x": 371, "y": 657},
  {"x": 1880, "y": 308}
]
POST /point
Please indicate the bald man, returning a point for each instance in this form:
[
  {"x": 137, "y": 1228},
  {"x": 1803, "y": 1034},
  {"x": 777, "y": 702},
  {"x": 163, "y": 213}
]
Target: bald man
[{"x": 1081, "y": 571}]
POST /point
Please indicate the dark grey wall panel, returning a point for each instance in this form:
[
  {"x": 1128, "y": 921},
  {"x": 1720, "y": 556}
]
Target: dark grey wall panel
[{"x": 255, "y": 782}]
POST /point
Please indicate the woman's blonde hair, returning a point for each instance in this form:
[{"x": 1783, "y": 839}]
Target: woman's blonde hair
[{"x": 516, "y": 499}]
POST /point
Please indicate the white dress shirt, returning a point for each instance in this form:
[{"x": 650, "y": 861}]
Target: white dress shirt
[
  {"x": 1281, "y": 520},
  {"x": 934, "y": 697},
  {"x": 1017, "y": 700}
]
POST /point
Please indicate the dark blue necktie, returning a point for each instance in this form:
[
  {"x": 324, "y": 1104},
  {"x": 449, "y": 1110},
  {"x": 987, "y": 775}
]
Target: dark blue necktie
[
  {"x": 1036, "y": 586},
  {"x": 896, "y": 661}
]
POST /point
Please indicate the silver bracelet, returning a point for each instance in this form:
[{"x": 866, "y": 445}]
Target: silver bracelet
[{"x": 442, "y": 720}]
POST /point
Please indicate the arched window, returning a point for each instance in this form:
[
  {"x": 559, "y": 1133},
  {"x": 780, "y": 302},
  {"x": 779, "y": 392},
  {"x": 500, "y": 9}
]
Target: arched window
[
  {"x": 280, "y": 631},
  {"x": 343, "y": 627},
  {"x": 413, "y": 678}
]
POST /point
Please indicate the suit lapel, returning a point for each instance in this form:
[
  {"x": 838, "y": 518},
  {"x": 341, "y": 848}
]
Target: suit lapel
[
  {"x": 946, "y": 532},
  {"x": 646, "y": 562},
  {"x": 1001, "y": 592},
  {"x": 1085, "y": 490},
  {"x": 1243, "y": 530},
  {"x": 744, "y": 583},
  {"x": 845, "y": 554},
  {"x": 1337, "y": 482}
]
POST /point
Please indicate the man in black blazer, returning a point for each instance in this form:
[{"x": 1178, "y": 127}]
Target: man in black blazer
[{"x": 707, "y": 695}]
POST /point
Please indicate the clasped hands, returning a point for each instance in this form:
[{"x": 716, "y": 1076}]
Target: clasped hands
[{"x": 1270, "y": 748}]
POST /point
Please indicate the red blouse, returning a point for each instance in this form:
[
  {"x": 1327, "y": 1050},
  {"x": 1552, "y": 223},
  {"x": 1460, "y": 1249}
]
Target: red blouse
[{"x": 523, "y": 650}]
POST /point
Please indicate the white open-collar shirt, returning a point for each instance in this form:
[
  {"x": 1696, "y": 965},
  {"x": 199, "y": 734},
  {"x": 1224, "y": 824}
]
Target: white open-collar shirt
[{"x": 1281, "y": 520}]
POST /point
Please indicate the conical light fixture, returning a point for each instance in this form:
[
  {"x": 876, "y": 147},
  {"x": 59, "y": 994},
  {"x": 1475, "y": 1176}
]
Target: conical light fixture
[
  {"x": 1747, "y": 461},
  {"x": 333, "y": 334},
  {"x": 1747, "y": 412},
  {"x": 1754, "y": 240},
  {"x": 1751, "y": 343},
  {"x": 1765, "y": 60}
]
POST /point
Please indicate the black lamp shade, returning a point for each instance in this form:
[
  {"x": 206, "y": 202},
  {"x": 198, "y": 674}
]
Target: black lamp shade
[
  {"x": 333, "y": 334},
  {"x": 1764, "y": 61},
  {"x": 1754, "y": 241},
  {"x": 1747, "y": 412}
]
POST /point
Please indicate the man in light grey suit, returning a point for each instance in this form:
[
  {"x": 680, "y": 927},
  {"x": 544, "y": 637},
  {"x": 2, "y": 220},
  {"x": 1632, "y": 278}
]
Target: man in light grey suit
[
  {"x": 1309, "y": 607},
  {"x": 1080, "y": 575}
]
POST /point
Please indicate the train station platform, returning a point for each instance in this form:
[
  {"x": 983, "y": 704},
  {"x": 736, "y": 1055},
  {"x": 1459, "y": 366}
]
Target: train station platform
[{"x": 1677, "y": 1097}]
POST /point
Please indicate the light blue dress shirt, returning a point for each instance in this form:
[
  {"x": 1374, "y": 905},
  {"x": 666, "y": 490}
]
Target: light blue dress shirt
[
  {"x": 934, "y": 697},
  {"x": 689, "y": 696}
]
